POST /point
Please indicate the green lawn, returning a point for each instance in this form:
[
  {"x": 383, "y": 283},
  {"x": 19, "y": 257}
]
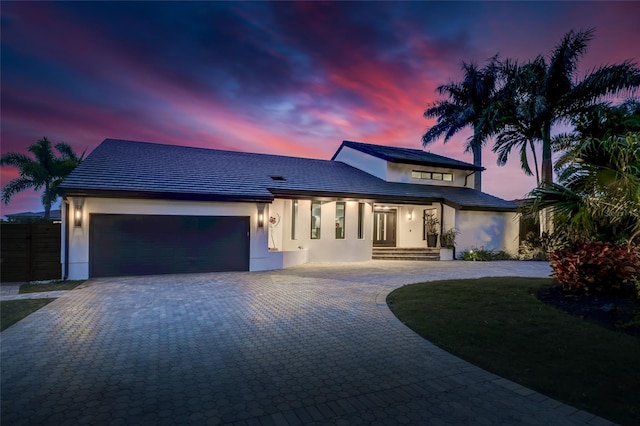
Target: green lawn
[
  {"x": 53, "y": 286},
  {"x": 12, "y": 311},
  {"x": 499, "y": 324}
]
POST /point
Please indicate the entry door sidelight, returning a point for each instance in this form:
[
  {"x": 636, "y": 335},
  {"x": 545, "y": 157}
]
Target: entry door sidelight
[{"x": 384, "y": 228}]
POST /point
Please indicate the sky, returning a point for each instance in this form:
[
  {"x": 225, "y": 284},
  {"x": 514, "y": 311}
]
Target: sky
[{"x": 286, "y": 78}]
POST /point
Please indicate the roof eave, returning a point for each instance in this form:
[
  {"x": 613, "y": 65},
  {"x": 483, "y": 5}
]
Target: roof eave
[{"x": 178, "y": 196}]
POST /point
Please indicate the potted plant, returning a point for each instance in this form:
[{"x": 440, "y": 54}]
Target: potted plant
[
  {"x": 448, "y": 244},
  {"x": 431, "y": 228}
]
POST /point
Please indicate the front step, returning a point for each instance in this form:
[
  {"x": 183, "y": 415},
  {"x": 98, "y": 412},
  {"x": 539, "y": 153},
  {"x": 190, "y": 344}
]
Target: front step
[{"x": 400, "y": 253}]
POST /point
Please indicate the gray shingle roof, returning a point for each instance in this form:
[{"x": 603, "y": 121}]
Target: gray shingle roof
[
  {"x": 140, "y": 169},
  {"x": 407, "y": 155}
]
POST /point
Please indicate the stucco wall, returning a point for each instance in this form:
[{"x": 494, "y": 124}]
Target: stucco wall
[
  {"x": 328, "y": 248},
  {"x": 368, "y": 163},
  {"x": 79, "y": 236},
  {"x": 398, "y": 172},
  {"x": 409, "y": 231},
  {"x": 489, "y": 230}
]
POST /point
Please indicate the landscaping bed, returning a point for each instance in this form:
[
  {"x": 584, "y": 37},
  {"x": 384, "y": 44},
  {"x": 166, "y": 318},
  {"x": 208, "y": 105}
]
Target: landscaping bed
[{"x": 611, "y": 311}]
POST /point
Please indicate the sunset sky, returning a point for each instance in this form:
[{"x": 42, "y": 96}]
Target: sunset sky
[{"x": 279, "y": 78}]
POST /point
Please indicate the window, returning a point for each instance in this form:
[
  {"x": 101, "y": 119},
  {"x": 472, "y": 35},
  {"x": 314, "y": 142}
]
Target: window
[
  {"x": 316, "y": 208},
  {"x": 340, "y": 212},
  {"x": 360, "y": 221},
  {"x": 294, "y": 218},
  {"x": 418, "y": 174}
]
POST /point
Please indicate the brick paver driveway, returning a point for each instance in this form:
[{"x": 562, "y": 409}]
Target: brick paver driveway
[{"x": 314, "y": 344}]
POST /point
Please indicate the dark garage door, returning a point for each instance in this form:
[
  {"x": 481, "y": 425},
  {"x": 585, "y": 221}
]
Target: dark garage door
[{"x": 158, "y": 244}]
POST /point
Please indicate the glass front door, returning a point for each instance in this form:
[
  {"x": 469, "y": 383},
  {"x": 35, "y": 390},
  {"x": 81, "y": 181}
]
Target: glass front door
[{"x": 384, "y": 228}]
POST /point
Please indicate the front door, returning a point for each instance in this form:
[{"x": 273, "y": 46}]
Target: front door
[{"x": 384, "y": 228}]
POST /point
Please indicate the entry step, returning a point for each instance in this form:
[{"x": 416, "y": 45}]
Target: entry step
[{"x": 400, "y": 253}]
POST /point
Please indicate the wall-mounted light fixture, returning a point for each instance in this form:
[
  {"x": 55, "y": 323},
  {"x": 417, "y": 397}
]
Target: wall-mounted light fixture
[
  {"x": 77, "y": 212},
  {"x": 261, "y": 207},
  {"x": 410, "y": 214}
]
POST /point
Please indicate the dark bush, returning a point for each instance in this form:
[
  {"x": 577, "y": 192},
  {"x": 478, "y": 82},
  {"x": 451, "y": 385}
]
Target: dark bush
[
  {"x": 482, "y": 255},
  {"x": 597, "y": 267}
]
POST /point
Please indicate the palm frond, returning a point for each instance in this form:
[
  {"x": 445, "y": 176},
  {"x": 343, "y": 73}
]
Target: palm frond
[
  {"x": 14, "y": 186},
  {"x": 14, "y": 159}
]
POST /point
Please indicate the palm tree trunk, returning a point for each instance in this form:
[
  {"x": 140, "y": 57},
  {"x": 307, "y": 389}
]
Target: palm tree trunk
[
  {"x": 47, "y": 201},
  {"x": 476, "y": 148},
  {"x": 535, "y": 161},
  {"x": 547, "y": 164},
  {"x": 546, "y": 218}
]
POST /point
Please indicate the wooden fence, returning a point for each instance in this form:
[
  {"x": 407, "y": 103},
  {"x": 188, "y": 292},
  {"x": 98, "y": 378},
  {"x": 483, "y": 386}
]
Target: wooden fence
[{"x": 30, "y": 252}]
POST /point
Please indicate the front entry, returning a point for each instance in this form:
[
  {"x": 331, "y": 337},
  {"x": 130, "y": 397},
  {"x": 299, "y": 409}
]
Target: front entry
[{"x": 384, "y": 228}]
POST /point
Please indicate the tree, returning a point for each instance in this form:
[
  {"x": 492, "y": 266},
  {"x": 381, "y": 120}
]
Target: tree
[
  {"x": 467, "y": 105},
  {"x": 45, "y": 170},
  {"x": 543, "y": 92},
  {"x": 599, "y": 175}
]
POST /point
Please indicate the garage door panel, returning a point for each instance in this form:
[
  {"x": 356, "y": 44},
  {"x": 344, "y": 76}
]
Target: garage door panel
[{"x": 161, "y": 244}]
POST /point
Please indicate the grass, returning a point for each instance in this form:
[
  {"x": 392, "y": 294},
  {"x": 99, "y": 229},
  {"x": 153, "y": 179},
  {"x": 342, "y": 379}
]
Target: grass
[
  {"x": 498, "y": 324},
  {"x": 12, "y": 311},
  {"x": 52, "y": 286}
]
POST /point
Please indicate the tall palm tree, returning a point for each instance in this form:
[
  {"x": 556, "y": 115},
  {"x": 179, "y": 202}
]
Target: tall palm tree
[
  {"x": 599, "y": 175},
  {"x": 545, "y": 91},
  {"x": 467, "y": 105},
  {"x": 45, "y": 170}
]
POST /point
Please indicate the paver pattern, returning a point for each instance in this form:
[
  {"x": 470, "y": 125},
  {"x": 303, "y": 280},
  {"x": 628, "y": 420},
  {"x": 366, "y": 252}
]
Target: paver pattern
[{"x": 314, "y": 344}]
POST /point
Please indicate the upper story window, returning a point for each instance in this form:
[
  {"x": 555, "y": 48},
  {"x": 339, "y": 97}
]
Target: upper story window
[{"x": 419, "y": 174}]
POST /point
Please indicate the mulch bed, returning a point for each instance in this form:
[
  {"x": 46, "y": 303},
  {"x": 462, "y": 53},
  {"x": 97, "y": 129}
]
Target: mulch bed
[{"x": 613, "y": 312}]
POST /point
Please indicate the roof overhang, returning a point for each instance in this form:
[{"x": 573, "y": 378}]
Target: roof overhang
[{"x": 163, "y": 195}]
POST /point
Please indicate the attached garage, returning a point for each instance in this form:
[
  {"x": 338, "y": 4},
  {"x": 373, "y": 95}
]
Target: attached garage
[{"x": 128, "y": 244}]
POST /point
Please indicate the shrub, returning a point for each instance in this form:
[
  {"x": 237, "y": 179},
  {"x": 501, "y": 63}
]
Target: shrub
[
  {"x": 538, "y": 247},
  {"x": 448, "y": 238},
  {"x": 597, "y": 267},
  {"x": 483, "y": 255}
]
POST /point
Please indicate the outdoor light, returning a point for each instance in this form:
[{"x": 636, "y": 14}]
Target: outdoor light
[
  {"x": 410, "y": 215},
  {"x": 261, "y": 215},
  {"x": 77, "y": 214}
]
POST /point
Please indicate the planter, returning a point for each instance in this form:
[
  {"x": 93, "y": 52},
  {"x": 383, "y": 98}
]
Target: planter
[
  {"x": 432, "y": 240},
  {"x": 446, "y": 253}
]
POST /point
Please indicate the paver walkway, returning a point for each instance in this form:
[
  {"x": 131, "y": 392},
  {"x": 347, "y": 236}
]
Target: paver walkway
[{"x": 314, "y": 344}]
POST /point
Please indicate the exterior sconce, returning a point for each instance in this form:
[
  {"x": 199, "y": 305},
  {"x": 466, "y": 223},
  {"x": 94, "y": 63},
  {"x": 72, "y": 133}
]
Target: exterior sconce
[
  {"x": 410, "y": 215},
  {"x": 77, "y": 213},
  {"x": 261, "y": 215}
]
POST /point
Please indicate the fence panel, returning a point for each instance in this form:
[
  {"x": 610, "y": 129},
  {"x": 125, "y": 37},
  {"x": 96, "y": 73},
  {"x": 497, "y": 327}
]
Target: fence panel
[{"x": 30, "y": 251}]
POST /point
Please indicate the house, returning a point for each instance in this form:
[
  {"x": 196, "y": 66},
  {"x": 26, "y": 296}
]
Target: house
[
  {"x": 29, "y": 217},
  {"x": 135, "y": 208}
]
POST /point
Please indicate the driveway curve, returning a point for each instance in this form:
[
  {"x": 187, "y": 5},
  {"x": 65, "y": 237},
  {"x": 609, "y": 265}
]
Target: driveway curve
[{"x": 314, "y": 344}]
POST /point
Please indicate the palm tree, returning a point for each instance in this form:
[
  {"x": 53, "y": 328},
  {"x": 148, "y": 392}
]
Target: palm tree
[
  {"x": 599, "y": 175},
  {"x": 44, "y": 171},
  {"x": 542, "y": 92},
  {"x": 467, "y": 105}
]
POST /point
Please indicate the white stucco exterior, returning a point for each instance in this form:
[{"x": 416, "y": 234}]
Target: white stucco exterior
[
  {"x": 489, "y": 230},
  {"x": 400, "y": 172},
  {"x": 327, "y": 248},
  {"x": 373, "y": 165},
  {"x": 79, "y": 236},
  {"x": 271, "y": 247},
  {"x": 286, "y": 240}
]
